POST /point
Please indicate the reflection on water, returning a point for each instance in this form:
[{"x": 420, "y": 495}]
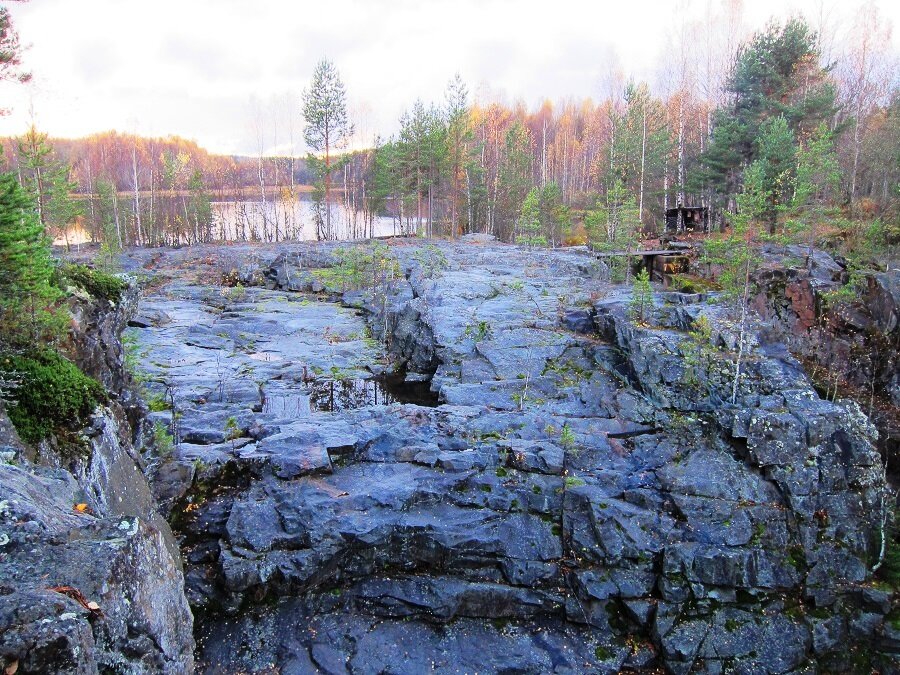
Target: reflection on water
[
  {"x": 349, "y": 394},
  {"x": 338, "y": 395},
  {"x": 277, "y": 219},
  {"x": 241, "y": 219}
]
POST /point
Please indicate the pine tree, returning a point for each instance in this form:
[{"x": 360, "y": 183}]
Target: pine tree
[
  {"x": 47, "y": 179},
  {"x": 327, "y": 124},
  {"x": 615, "y": 226},
  {"x": 641, "y": 297},
  {"x": 777, "y": 74},
  {"x": 10, "y": 53},
  {"x": 513, "y": 178},
  {"x": 27, "y": 296},
  {"x": 200, "y": 207},
  {"x": 555, "y": 219},
  {"x": 459, "y": 141},
  {"x": 529, "y": 224}
]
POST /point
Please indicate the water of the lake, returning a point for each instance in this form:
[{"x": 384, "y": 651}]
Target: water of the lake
[{"x": 277, "y": 219}]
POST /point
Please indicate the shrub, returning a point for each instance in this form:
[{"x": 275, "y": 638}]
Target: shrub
[
  {"x": 567, "y": 439},
  {"x": 53, "y": 394},
  {"x": 432, "y": 260},
  {"x": 158, "y": 403},
  {"x": 162, "y": 439}
]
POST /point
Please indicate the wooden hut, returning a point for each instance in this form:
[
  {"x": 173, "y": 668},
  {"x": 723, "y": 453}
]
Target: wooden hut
[{"x": 687, "y": 219}]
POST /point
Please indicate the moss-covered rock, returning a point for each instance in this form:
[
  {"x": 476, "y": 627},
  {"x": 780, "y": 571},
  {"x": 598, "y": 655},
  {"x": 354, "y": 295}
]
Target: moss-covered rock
[
  {"x": 94, "y": 282},
  {"x": 53, "y": 394}
]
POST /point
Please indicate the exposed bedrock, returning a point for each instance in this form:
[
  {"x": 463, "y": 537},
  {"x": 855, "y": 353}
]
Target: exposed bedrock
[
  {"x": 854, "y": 343},
  {"x": 79, "y": 527},
  {"x": 584, "y": 498}
]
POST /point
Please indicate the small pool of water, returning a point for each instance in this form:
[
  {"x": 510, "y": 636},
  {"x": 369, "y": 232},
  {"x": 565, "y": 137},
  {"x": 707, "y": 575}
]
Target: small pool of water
[{"x": 337, "y": 395}]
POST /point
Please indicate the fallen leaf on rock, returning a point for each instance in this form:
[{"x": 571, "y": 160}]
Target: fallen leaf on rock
[{"x": 78, "y": 596}]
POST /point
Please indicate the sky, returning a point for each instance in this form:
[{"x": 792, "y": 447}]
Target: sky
[{"x": 229, "y": 73}]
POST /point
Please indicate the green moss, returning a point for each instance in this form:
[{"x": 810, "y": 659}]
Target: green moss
[
  {"x": 758, "y": 531},
  {"x": 820, "y": 613},
  {"x": 54, "y": 394},
  {"x": 797, "y": 558},
  {"x": 501, "y": 472},
  {"x": 731, "y": 625},
  {"x": 94, "y": 282},
  {"x": 603, "y": 653},
  {"x": 536, "y": 489},
  {"x": 794, "y": 612}
]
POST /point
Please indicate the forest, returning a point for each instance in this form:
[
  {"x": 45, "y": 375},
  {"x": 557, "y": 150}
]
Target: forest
[{"x": 778, "y": 112}]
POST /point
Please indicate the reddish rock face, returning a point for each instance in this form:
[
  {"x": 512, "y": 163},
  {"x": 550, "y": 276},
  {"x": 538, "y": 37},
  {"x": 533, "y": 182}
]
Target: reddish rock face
[{"x": 803, "y": 302}]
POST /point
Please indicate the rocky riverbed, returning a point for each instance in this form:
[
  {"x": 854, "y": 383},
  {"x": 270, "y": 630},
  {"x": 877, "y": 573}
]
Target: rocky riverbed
[{"x": 550, "y": 486}]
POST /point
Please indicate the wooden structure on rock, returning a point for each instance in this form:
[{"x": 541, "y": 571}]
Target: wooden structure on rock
[{"x": 687, "y": 219}]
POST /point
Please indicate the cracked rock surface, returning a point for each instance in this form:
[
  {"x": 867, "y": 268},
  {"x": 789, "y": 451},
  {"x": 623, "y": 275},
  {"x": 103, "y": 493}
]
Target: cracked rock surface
[{"x": 578, "y": 494}]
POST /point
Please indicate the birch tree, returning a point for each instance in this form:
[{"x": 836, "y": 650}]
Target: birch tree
[
  {"x": 459, "y": 138},
  {"x": 866, "y": 73}
]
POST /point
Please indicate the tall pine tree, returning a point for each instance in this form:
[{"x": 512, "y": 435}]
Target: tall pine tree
[
  {"x": 776, "y": 74},
  {"x": 27, "y": 296}
]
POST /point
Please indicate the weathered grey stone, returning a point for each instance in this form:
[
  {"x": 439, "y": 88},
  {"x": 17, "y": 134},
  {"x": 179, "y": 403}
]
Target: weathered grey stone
[{"x": 584, "y": 477}]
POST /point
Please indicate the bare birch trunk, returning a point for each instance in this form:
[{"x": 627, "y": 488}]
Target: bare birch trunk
[{"x": 137, "y": 197}]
